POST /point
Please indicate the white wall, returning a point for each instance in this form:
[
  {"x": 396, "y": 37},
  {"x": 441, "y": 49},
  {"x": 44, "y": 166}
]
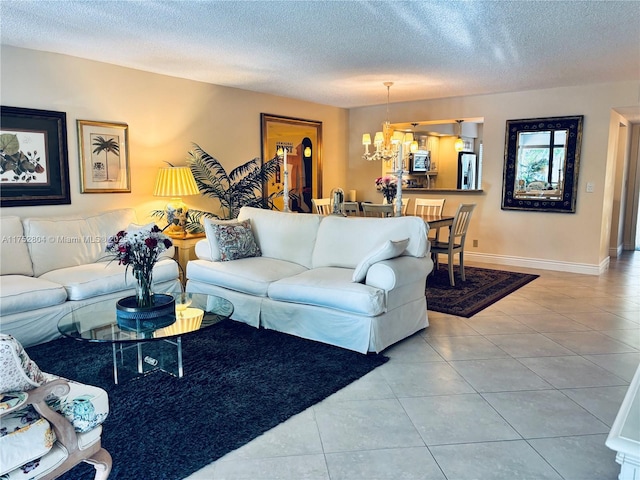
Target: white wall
[
  {"x": 164, "y": 115},
  {"x": 571, "y": 242}
]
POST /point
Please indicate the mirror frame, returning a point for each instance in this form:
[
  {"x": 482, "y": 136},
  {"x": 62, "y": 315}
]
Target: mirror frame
[
  {"x": 268, "y": 120},
  {"x": 567, "y": 204}
]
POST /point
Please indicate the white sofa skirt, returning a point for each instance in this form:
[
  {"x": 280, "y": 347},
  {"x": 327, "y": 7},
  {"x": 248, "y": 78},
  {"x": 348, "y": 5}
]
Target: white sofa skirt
[{"x": 354, "y": 332}]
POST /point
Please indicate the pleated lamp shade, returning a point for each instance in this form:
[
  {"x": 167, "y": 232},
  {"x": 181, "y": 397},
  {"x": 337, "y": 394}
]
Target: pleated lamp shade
[{"x": 175, "y": 182}]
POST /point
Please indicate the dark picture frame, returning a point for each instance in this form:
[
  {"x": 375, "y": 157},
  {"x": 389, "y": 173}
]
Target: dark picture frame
[
  {"x": 557, "y": 194},
  {"x": 34, "y": 162}
]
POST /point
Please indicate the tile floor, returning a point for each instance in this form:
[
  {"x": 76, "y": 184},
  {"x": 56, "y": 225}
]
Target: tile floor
[{"x": 526, "y": 389}]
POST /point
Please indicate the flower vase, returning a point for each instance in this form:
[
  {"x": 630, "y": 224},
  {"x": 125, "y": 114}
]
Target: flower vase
[
  {"x": 390, "y": 199},
  {"x": 144, "y": 296}
]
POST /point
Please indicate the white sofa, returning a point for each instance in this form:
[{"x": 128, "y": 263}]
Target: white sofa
[
  {"x": 303, "y": 284},
  {"x": 49, "y": 266}
]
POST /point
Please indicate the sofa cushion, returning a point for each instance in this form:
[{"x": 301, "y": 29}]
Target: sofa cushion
[
  {"x": 22, "y": 294},
  {"x": 93, "y": 279},
  {"x": 344, "y": 241},
  {"x": 71, "y": 241},
  {"x": 247, "y": 275},
  {"x": 332, "y": 288},
  {"x": 281, "y": 235},
  {"x": 386, "y": 251},
  {"x": 14, "y": 254},
  {"x": 234, "y": 240}
]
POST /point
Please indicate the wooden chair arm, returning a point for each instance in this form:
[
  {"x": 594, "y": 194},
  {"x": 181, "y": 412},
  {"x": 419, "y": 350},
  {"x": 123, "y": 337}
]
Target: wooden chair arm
[{"x": 65, "y": 431}]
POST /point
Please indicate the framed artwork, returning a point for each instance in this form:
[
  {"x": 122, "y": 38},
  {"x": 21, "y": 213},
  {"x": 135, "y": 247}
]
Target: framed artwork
[
  {"x": 302, "y": 139},
  {"x": 34, "y": 163},
  {"x": 104, "y": 157}
]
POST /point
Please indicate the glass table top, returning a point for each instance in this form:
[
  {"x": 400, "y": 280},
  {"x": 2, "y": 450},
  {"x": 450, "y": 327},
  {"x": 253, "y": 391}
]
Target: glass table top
[{"x": 100, "y": 322}]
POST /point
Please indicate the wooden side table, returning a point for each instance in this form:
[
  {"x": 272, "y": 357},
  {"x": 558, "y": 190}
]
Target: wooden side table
[{"x": 185, "y": 251}]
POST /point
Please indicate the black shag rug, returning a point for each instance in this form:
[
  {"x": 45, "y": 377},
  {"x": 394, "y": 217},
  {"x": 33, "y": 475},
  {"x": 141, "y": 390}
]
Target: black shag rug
[
  {"x": 482, "y": 288},
  {"x": 238, "y": 382}
]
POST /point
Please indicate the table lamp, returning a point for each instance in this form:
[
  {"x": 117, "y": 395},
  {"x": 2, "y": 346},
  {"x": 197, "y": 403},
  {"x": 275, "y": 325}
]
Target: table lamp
[{"x": 175, "y": 182}]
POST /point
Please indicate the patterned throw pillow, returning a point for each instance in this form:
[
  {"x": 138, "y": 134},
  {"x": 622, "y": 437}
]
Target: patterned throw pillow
[
  {"x": 19, "y": 372},
  {"x": 235, "y": 241}
]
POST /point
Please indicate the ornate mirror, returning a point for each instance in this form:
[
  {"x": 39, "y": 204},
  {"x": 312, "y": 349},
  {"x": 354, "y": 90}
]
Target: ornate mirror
[
  {"x": 303, "y": 141},
  {"x": 541, "y": 159}
]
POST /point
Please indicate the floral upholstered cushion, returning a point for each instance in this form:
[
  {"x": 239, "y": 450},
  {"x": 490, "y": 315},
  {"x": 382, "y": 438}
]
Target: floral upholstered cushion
[
  {"x": 27, "y": 441},
  {"x": 25, "y": 437},
  {"x": 19, "y": 372},
  {"x": 235, "y": 240}
]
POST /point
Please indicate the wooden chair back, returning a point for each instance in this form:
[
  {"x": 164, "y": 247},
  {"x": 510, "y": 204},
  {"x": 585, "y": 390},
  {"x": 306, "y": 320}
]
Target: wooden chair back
[
  {"x": 377, "y": 210},
  {"x": 405, "y": 204},
  {"x": 351, "y": 209},
  {"x": 428, "y": 206},
  {"x": 322, "y": 206}
]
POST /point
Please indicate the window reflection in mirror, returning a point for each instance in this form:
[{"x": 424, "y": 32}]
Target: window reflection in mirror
[
  {"x": 542, "y": 156},
  {"x": 540, "y": 163}
]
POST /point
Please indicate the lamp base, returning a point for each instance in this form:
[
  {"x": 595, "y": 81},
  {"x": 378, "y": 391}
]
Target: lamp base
[{"x": 176, "y": 216}]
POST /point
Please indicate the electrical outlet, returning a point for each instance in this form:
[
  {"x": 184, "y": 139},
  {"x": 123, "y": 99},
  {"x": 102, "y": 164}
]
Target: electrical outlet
[
  {"x": 475, "y": 243},
  {"x": 590, "y": 187}
]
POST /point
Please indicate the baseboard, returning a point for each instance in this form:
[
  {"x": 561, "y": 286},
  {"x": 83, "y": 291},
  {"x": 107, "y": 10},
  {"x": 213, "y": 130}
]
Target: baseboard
[
  {"x": 541, "y": 264},
  {"x": 616, "y": 252}
]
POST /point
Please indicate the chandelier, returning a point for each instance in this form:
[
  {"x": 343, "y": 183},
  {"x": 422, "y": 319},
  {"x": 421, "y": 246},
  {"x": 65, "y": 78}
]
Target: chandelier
[
  {"x": 388, "y": 149},
  {"x": 386, "y": 142}
]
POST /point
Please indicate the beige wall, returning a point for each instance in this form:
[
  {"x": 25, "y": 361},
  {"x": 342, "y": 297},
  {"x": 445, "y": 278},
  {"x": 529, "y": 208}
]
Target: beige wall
[
  {"x": 164, "y": 115},
  {"x": 573, "y": 242}
]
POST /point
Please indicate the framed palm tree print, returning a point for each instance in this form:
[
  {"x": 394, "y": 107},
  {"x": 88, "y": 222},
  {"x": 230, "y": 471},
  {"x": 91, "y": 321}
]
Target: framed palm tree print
[{"x": 104, "y": 157}]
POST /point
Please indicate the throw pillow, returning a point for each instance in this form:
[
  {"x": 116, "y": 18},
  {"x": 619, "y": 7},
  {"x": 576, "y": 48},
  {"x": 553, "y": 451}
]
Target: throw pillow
[
  {"x": 389, "y": 249},
  {"x": 235, "y": 241},
  {"x": 211, "y": 235},
  {"x": 19, "y": 372}
]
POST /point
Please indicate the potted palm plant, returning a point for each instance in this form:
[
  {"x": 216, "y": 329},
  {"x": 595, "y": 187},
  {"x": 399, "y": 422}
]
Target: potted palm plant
[{"x": 242, "y": 186}]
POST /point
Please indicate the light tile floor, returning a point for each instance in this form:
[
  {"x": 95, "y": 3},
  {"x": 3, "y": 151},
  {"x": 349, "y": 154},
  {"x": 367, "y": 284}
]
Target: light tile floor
[{"x": 526, "y": 389}]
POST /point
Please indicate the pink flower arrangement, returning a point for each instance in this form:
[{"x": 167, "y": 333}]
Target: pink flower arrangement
[{"x": 388, "y": 185}]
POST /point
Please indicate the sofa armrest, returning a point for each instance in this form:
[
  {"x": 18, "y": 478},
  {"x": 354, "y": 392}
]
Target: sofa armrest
[
  {"x": 203, "y": 250},
  {"x": 389, "y": 274}
]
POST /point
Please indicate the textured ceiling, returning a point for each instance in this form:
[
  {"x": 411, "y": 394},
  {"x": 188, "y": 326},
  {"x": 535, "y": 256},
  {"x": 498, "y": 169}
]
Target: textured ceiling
[{"x": 340, "y": 52}]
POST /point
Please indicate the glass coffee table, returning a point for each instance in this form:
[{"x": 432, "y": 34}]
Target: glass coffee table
[{"x": 143, "y": 342}]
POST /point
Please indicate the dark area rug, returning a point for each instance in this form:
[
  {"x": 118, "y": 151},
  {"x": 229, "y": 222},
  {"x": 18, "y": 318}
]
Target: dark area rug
[
  {"x": 238, "y": 383},
  {"x": 482, "y": 288}
]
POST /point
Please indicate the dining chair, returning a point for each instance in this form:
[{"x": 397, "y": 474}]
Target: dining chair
[
  {"x": 405, "y": 205},
  {"x": 322, "y": 206},
  {"x": 351, "y": 209},
  {"x": 429, "y": 206},
  {"x": 378, "y": 210},
  {"x": 455, "y": 244}
]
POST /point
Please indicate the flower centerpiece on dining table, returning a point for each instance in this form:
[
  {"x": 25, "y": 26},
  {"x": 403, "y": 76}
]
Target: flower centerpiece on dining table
[
  {"x": 139, "y": 250},
  {"x": 388, "y": 185}
]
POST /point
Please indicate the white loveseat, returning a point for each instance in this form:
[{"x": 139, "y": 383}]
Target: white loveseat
[
  {"x": 50, "y": 266},
  {"x": 303, "y": 281}
]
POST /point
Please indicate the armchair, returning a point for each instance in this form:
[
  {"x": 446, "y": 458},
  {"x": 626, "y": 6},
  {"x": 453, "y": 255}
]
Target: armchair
[{"x": 47, "y": 424}]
